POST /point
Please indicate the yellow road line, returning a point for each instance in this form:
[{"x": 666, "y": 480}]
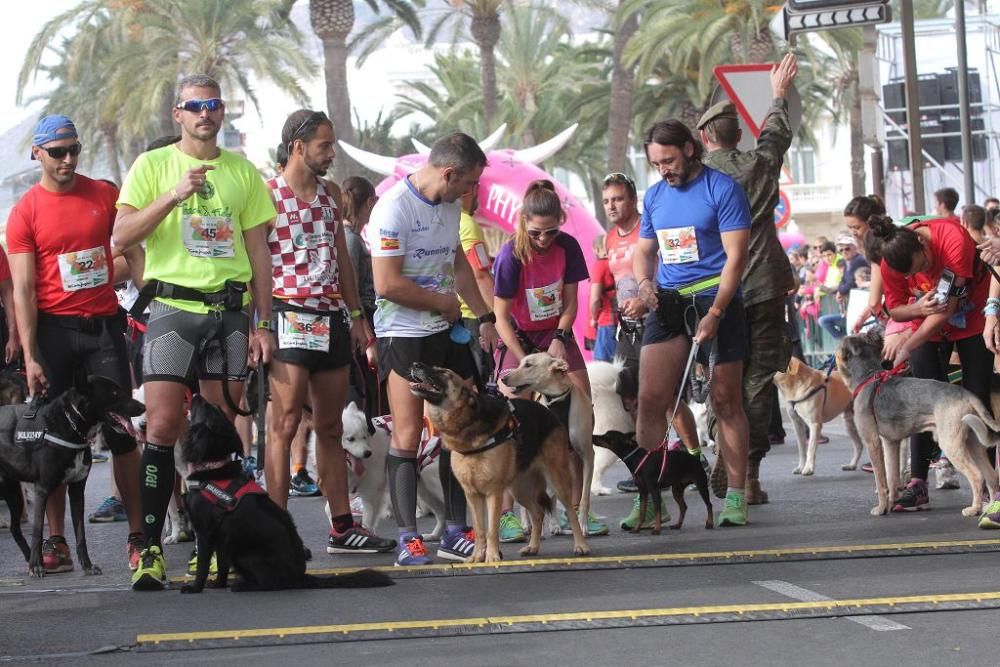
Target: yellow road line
[
  {"x": 845, "y": 606},
  {"x": 594, "y": 562}
]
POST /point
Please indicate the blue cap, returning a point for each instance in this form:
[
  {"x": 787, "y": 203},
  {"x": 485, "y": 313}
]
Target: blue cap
[{"x": 52, "y": 128}]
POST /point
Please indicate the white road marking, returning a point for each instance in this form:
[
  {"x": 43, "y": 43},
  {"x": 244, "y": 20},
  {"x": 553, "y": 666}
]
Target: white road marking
[{"x": 877, "y": 623}]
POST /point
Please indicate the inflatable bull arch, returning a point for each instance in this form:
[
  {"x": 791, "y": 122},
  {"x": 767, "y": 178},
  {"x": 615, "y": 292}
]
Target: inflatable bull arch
[{"x": 501, "y": 189}]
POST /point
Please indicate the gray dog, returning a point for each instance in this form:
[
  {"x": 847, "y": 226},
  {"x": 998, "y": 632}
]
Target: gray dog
[{"x": 889, "y": 408}]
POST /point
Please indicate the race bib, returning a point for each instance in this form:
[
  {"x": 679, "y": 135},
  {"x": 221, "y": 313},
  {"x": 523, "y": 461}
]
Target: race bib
[
  {"x": 83, "y": 269},
  {"x": 208, "y": 236},
  {"x": 303, "y": 331},
  {"x": 678, "y": 245},
  {"x": 544, "y": 302}
]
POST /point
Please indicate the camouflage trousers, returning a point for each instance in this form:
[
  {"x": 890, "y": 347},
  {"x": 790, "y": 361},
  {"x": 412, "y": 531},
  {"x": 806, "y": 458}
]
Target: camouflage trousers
[{"x": 770, "y": 350}]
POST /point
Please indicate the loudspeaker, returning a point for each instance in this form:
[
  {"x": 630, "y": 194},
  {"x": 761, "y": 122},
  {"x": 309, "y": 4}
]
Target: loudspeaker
[
  {"x": 953, "y": 145},
  {"x": 948, "y": 84},
  {"x": 899, "y": 158},
  {"x": 932, "y": 145},
  {"x": 894, "y": 97}
]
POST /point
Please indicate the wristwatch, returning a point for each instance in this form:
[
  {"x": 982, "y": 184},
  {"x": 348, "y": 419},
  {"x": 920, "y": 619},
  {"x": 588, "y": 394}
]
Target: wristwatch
[
  {"x": 715, "y": 310},
  {"x": 355, "y": 313},
  {"x": 264, "y": 324},
  {"x": 563, "y": 335},
  {"x": 490, "y": 317}
]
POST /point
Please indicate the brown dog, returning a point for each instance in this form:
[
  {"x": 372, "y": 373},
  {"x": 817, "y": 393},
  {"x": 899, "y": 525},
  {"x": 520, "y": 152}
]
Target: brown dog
[
  {"x": 498, "y": 445},
  {"x": 815, "y": 398}
]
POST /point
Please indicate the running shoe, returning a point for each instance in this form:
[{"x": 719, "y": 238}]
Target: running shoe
[
  {"x": 185, "y": 533},
  {"x": 55, "y": 555},
  {"x": 735, "y": 511},
  {"x": 151, "y": 575},
  {"x": 628, "y": 523},
  {"x": 990, "y": 518},
  {"x": 594, "y": 528},
  {"x": 945, "y": 475},
  {"x": 213, "y": 565},
  {"x": 412, "y": 551},
  {"x": 914, "y": 497},
  {"x": 357, "y": 539},
  {"x": 457, "y": 544},
  {"x": 303, "y": 485},
  {"x": 99, "y": 457},
  {"x": 111, "y": 509},
  {"x": 133, "y": 549},
  {"x": 511, "y": 529},
  {"x": 627, "y": 486}
]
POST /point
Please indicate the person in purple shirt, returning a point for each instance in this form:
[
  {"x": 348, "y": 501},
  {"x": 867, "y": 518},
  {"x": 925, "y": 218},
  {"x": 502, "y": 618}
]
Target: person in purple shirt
[
  {"x": 535, "y": 299},
  {"x": 695, "y": 232}
]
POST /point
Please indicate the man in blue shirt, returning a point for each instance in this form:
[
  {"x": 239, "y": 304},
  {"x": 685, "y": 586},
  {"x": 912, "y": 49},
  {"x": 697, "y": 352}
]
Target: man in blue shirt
[{"x": 696, "y": 228}]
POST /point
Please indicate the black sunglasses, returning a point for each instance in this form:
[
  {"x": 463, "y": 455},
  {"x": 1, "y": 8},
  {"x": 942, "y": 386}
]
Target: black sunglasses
[
  {"x": 315, "y": 117},
  {"x": 618, "y": 178},
  {"x": 539, "y": 233},
  {"x": 60, "y": 152},
  {"x": 195, "y": 106}
]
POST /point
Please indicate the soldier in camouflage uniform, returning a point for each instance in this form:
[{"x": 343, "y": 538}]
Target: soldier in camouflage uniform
[{"x": 768, "y": 275}]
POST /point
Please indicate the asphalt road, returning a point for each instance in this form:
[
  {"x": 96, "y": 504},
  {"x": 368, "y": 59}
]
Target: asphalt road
[{"x": 744, "y": 596}]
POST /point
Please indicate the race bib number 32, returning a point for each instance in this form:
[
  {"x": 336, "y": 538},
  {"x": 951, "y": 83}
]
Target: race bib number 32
[
  {"x": 678, "y": 245},
  {"x": 208, "y": 236},
  {"x": 304, "y": 331},
  {"x": 83, "y": 269}
]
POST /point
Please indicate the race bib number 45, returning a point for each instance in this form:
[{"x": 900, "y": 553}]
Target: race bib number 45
[
  {"x": 678, "y": 245},
  {"x": 83, "y": 269},
  {"x": 304, "y": 331},
  {"x": 208, "y": 236}
]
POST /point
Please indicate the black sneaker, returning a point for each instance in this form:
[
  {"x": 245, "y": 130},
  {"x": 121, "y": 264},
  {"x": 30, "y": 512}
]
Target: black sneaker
[
  {"x": 357, "y": 539},
  {"x": 303, "y": 485},
  {"x": 914, "y": 497},
  {"x": 627, "y": 486}
]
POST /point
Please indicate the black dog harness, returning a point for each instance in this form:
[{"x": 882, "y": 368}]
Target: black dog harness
[
  {"x": 26, "y": 431},
  {"x": 227, "y": 493},
  {"x": 830, "y": 364},
  {"x": 560, "y": 405},
  {"x": 511, "y": 430}
]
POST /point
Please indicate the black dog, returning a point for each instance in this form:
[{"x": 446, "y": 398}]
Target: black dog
[
  {"x": 53, "y": 448},
  {"x": 234, "y": 519},
  {"x": 652, "y": 474}
]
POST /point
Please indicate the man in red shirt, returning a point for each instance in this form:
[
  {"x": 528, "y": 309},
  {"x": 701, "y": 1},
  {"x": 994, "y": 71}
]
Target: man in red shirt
[{"x": 59, "y": 240}]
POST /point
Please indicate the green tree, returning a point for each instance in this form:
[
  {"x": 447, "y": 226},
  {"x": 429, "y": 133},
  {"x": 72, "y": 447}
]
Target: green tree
[
  {"x": 333, "y": 21},
  {"x": 133, "y": 52}
]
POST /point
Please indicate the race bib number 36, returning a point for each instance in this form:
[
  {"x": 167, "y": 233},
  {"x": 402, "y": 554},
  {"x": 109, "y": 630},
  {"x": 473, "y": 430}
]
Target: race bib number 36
[
  {"x": 304, "y": 331},
  {"x": 207, "y": 236},
  {"x": 83, "y": 269},
  {"x": 544, "y": 302},
  {"x": 678, "y": 245}
]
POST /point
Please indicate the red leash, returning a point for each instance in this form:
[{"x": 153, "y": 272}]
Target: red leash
[{"x": 879, "y": 378}]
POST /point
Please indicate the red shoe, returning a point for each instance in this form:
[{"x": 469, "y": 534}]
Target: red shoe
[
  {"x": 55, "y": 555},
  {"x": 133, "y": 549}
]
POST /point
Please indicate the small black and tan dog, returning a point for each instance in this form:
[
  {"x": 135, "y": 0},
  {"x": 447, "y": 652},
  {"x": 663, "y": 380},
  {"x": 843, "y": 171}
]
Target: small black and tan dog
[
  {"x": 652, "y": 473},
  {"x": 235, "y": 520},
  {"x": 52, "y": 448}
]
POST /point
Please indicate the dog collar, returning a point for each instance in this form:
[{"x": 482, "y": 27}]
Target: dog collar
[
  {"x": 878, "y": 377},
  {"x": 559, "y": 397}
]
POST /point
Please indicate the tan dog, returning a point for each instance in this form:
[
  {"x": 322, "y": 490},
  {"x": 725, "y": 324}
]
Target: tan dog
[
  {"x": 813, "y": 400},
  {"x": 497, "y": 445},
  {"x": 543, "y": 374}
]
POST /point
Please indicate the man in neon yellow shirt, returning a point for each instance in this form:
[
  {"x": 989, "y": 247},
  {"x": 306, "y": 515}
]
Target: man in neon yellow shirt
[
  {"x": 474, "y": 245},
  {"x": 202, "y": 212}
]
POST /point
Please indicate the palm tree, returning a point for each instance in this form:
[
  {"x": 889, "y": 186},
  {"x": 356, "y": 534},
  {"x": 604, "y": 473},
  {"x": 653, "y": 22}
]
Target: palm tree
[
  {"x": 333, "y": 21},
  {"x": 622, "y": 84},
  {"x": 137, "y": 50}
]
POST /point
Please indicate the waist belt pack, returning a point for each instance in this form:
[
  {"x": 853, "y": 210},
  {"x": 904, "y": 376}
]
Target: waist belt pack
[
  {"x": 670, "y": 309},
  {"x": 228, "y": 298}
]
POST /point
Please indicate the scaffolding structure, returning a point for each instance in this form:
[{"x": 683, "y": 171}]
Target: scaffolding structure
[{"x": 983, "y": 35}]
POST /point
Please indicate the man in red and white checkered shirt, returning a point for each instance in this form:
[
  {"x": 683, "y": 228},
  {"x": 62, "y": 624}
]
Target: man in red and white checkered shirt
[{"x": 319, "y": 323}]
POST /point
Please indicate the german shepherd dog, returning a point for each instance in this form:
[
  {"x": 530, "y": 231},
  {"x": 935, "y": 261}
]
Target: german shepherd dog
[
  {"x": 53, "y": 448},
  {"x": 234, "y": 519},
  {"x": 498, "y": 444}
]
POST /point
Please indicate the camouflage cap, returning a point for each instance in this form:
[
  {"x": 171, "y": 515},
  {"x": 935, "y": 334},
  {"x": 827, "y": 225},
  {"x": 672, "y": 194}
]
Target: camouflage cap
[{"x": 725, "y": 109}]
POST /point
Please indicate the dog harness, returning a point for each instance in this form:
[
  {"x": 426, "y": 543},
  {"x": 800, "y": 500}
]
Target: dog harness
[
  {"x": 830, "y": 364},
  {"x": 879, "y": 378},
  {"x": 227, "y": 493},
  {"x": 24, "y": 432},
  {"x": 560, "y": 405},
  {"x": 509, "y": 431}
]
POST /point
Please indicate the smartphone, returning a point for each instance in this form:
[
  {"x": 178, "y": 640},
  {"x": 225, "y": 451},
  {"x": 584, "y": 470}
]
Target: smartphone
[{"x": 945, "y": 283}]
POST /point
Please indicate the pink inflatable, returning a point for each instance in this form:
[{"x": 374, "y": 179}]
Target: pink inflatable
[{"x": 501, "y": 189}]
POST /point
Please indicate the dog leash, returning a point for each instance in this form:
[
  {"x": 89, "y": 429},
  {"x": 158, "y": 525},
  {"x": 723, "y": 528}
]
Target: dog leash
[{"x": 879, "y": 378}]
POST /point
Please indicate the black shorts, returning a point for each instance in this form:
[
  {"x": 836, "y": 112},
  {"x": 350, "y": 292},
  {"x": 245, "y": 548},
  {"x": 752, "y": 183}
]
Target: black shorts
[
  {"x": 731, "y": 341},
  {"x": 71, "y": 348},
  {"x": 338, "y": 352},
  {"x": 182, "y": 346},
  {"x": 398, "y": 354}
]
